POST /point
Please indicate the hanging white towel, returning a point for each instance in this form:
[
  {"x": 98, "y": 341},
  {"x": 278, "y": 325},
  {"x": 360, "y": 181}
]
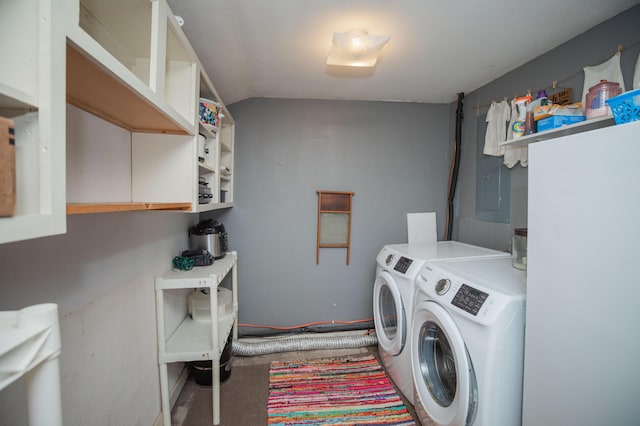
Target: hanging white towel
[
  {"x": 497, "y": 117},
  {"x": 636, "y": 75},
  {"x": 609, "y": 71},
  {"x": 513, "y": 155}
]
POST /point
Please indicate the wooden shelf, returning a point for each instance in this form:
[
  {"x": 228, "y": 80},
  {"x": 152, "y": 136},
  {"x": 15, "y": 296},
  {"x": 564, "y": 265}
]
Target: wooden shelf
[
  {"x": 96, "y": 89},
  {"x": 123, "y": 207}
]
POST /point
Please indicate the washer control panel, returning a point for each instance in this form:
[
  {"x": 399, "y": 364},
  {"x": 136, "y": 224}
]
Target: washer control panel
[
  {"x": 403, "y": 264},
  {"x": 482, "y": 297},
  {"x": 469, "y": 299}
]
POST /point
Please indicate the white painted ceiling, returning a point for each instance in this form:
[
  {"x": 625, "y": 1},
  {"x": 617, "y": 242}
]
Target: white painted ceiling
[{"x": 279, "y": 48}]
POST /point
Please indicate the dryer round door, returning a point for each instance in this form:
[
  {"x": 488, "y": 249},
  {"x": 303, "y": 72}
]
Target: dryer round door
[
  {"x": 443, "y": 374},
  {"x": 388, "y": 314}
]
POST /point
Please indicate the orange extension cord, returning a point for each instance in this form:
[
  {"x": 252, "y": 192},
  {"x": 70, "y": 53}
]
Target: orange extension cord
[{"x": 293, "y": 327}]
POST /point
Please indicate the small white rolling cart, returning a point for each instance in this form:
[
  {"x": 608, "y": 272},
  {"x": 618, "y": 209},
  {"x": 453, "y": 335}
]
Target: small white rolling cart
[{"x": 196, "y": 340}]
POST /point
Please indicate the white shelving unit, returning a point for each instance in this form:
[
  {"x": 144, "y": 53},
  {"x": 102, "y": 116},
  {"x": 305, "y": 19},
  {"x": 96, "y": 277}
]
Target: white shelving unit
[
  {"x": 31, "y": 94},
  {"x": 128, "y": 63},
  {"x": 196, "y": 340},
  {"x": 217, "y": 169}
]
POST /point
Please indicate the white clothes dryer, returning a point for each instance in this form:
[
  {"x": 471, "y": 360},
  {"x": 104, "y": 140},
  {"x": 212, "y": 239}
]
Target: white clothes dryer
[
  {"x": 467, "y": 343},
  {"x": 398, "y": 266}
]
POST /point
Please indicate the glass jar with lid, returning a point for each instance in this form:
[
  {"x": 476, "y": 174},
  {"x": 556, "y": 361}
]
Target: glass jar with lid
[{"x": 519, "y": 249}]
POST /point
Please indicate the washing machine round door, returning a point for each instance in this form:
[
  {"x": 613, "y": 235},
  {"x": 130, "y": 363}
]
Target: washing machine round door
[
  {"x": 388, "y": 314},
  {"x": 443, "y": 374}
]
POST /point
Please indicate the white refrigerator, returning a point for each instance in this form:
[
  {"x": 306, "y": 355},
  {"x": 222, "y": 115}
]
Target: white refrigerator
[{"x": 582, "y": 340}]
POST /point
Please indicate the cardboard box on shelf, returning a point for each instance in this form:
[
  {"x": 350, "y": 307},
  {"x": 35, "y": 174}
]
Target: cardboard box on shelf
[
  {"x": 556, "y": 121},
  {"x": 7, "y": 168}
]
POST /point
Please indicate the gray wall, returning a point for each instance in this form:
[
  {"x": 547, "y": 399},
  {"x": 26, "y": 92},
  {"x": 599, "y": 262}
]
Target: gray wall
[
  {"x": 565, "y": 64},
  {"x": 394, "y": 156}
]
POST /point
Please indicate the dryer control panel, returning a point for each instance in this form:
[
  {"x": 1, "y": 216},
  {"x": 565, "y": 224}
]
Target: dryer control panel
[
  {"x": 403, "y": 264},
  {"x": 469, "y": 299}
]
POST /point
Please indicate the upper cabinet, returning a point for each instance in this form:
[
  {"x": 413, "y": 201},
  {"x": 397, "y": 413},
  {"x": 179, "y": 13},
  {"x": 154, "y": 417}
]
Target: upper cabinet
[{"x": 116, "y": 125}]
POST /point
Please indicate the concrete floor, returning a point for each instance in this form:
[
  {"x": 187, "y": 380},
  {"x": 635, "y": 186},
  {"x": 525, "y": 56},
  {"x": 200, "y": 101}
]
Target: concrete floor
[{"x": 243, "y": 396}]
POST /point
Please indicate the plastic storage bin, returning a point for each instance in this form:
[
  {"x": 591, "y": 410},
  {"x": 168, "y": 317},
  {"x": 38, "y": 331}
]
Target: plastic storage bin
[
  {"x": 556, "y": 121},
  {"x": 199, "y": 304},
  {"x": 625, "y": 107}
]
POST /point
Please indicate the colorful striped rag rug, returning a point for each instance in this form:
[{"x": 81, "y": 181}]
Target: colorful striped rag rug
[{"x": 335, "y": 391}]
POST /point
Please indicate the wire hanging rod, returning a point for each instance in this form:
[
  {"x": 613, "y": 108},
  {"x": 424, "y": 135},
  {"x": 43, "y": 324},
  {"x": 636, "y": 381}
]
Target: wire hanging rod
[{"x": 554, "y": 83}]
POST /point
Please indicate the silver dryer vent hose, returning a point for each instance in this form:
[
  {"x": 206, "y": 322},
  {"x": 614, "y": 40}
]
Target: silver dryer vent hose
[{"x": 244, "y": 348}]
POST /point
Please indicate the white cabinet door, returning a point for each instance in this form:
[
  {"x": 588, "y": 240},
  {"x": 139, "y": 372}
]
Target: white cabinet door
[{"x": 582, "y": 342}]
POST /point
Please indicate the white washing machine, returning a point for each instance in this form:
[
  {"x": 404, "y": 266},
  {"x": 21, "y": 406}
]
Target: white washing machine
[
  {"x": 398, "y": 266},
  {"x": 467, "y": 343}
]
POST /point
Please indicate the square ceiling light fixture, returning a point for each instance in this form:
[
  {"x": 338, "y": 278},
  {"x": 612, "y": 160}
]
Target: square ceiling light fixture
[{"x": 356, "y": 48}]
